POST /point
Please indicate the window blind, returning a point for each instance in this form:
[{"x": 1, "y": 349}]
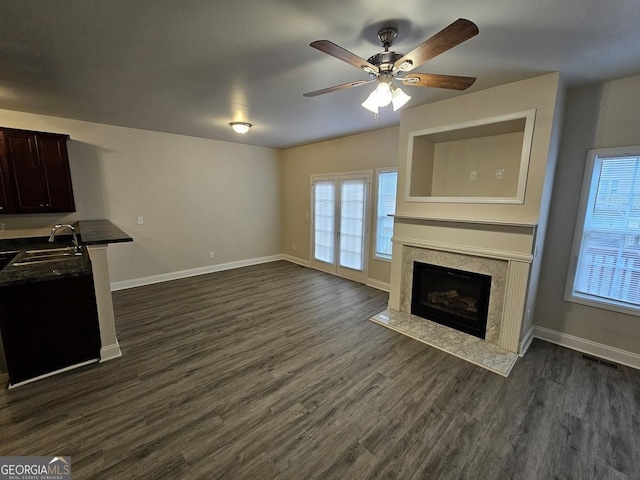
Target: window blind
[
  {"x": 324, "y": 209},
  {"x": 386, "y": 205},
  {"x": 609, "y": 259},
  {"x": 352, "y": 211}
]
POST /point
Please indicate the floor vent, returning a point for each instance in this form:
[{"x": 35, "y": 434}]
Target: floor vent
[{"x": 601, "y": 361}]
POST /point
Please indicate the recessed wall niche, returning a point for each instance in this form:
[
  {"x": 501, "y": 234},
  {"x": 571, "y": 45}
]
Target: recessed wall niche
[{"x": 482, "y": 161}]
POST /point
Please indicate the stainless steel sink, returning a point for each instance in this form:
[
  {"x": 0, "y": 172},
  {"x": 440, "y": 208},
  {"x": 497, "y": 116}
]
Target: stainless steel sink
[{"x": 29, "y": 257}]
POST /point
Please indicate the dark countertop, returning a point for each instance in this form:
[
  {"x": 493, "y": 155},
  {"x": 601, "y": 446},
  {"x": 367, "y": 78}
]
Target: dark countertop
[
  {"x": 97, "y": 232},
  {"x": 39, "y": 272},
  {"x": 90, "y": 232}
]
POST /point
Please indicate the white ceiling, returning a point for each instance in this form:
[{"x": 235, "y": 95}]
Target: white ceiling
[{"x": 192, "y": 66}]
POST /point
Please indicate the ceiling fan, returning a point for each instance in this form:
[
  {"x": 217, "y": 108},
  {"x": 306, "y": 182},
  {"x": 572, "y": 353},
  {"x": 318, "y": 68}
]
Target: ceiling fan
[{"x": 387, "y": 66}]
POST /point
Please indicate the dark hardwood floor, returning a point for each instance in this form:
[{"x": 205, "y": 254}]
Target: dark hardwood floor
[{"x": 274, "y": 372}]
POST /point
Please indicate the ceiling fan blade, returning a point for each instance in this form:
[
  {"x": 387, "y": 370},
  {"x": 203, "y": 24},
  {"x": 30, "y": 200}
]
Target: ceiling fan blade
[
  {"x": 346, "y": 56},
  {"x": 451, "y": 82},
  {"x": 445, "y": 39},
  {"x": 357, "y": 83}
]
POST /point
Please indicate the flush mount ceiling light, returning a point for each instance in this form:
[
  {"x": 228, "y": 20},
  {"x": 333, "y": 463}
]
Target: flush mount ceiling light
[
  {"x": 386, "y": 67},
  {"x": 240, "y": 127}
]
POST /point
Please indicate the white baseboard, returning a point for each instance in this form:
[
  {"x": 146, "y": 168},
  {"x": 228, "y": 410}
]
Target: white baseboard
[
  {"x": 296, "y": 260},
  {"x": 612, "y": 354},
  {"x": 50, "y": 374},
  {"x": 525, "y": 343},
  {"x": 110, "y": 352},
  {"x": 165, "y": 277},
  {"x": 384, "y": 286}
]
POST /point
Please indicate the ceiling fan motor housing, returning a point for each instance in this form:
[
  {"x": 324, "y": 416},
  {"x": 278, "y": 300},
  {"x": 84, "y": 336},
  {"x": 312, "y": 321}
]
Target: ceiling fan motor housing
[
  {"x": 387, "y": 36},
  {"x": 385, "y": 60}
]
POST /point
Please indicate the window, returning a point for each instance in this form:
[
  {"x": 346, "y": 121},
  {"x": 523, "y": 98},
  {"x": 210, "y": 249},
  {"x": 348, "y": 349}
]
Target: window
[
  {"x": 386, "y": 205},
  {"x": 605, "y": 267}
]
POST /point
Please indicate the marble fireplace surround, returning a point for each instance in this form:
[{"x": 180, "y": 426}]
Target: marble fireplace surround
[
  {"x": 509, "y": 282},
  {"x": 496, "y": 269}
]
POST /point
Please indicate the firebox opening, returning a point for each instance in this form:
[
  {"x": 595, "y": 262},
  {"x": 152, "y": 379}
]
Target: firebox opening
[{"x": 451, "y": 297}]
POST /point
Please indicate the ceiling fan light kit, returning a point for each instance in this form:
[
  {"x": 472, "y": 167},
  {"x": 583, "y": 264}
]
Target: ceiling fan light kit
[
  {"x": 398, "y": 98},
  {"x": 240, "y": 127},
  {"x": 385, "y": 67},
  {"x": 383, "y": 95},
  {"x": 371, "y": 102}
]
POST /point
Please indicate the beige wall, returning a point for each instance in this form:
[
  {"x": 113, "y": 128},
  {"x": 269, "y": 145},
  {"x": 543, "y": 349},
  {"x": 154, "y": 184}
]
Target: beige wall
[
  {"x": 421, "y": 181},
  {"x": 454, "y": 161},
  {"x": 538, "y": 93},
  {"x": 597, "y": 116},
  {"x": 357, "y": 152},
  {"x": 520, "y": 222},
  {"x": 196, "y": 195}
]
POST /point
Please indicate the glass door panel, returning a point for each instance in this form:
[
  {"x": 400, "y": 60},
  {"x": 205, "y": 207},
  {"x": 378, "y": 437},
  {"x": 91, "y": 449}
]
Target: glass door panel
[
  {"x": 324, "y": 221},
  {"x": 339, "y": 228},
  {"x": 352, "y": 223}
]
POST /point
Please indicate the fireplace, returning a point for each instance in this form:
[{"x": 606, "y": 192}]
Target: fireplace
[{"x": 455, "y": 298}]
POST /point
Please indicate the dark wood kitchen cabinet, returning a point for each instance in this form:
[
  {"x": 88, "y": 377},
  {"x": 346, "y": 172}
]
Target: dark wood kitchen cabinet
[
  {"x": 4, "y": 203},
  {"x": 48, "y": 326},
  {"x": 35, "y": 172}
]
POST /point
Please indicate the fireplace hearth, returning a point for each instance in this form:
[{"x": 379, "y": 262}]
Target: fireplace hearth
[
  {"x": 508, "y": 274},
  {"x": 454, "y": 298}
]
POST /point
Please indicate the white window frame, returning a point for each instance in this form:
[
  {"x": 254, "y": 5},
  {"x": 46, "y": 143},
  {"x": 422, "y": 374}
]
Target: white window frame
[
  {"x": 570, "y": 294},
  {"x": 376, "y": 255}
]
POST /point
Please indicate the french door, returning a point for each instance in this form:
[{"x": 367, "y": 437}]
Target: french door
[{"x": 339, "y": 226}]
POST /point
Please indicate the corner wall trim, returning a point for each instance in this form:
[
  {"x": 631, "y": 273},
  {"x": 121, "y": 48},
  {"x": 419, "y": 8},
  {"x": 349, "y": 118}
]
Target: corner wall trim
[
  {"x": 110, "y": 352},
  {"x": 525, "y": 343},
  {"x": 370, "y": 282},
  {"x": 613, "y": 354},
  {"x": 165, "y": 277},
  {"x": 298, "y": 261},
  {"x": 384, "y": 286}
]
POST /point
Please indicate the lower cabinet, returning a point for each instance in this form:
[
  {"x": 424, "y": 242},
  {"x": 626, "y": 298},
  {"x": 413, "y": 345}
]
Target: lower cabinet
[{"x": 47, "y": 326}]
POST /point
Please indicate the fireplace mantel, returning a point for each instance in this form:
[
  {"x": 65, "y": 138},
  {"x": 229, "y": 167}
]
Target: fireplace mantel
[
  {"x": 479, "y": 236},
  {"x": 476, "y": 221},
  {"x": 464, "y": 249}
]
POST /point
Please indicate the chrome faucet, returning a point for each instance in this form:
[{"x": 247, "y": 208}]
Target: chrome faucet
[{"x": 54, "y": 230}]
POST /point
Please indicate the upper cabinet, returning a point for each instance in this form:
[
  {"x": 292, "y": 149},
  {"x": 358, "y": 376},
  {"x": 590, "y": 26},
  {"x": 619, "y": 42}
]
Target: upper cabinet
[
  {"x": 34, "y": 167},
  {"x": 4, "y": 204}
]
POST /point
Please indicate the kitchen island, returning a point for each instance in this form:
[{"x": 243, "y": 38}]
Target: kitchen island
[
  {"x": 97, "y": 235},
  {"x": 53, "y": 293}
]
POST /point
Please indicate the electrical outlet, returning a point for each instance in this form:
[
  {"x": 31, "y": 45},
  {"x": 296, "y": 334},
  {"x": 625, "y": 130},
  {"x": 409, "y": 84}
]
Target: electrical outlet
[
  {"x": 294, "y": 247},
  {"x": 500, "y": 173},
  {"x": 212, "y": 254},
  {"x": 140, "y": 220},
  {"x": 473, "y": 174}
]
